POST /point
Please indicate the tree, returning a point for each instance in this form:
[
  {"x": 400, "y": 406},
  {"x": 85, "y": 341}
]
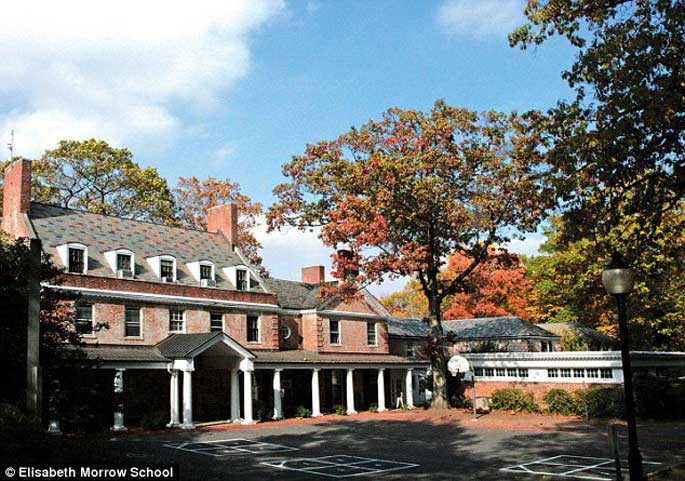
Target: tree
[
  {"x": 404, "y": 192},
  {"x": 572, "y": 340},
  {"x": 194, "y": 197},
  {"x": 619, "y": 145},
  {"x": 93, "y": 176},
  {"x": 497, "y": 287}
]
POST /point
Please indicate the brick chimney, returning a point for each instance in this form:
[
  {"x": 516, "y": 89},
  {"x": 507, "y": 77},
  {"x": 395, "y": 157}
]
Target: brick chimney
[
  {"x": 16, "y": 197},
  {"x": 313, "y": 275},
  {"x": 224, "y": 219}
]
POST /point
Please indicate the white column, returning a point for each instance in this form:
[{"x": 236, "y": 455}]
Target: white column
[
  {"x": 235, "y": 396},
  {"x": 278, "y": 404},
  {"x": 316, "y": 402},
  {"x": 409, "y": 388},
  {"x": 350, "y": 392},
  {"x": 119, "y": 400},
  {"x": 381, "y": 390},
  {"x": 187, "y": 400},
  {"x": 173, "y": 400},
  {"x": 247, "y": 397}
]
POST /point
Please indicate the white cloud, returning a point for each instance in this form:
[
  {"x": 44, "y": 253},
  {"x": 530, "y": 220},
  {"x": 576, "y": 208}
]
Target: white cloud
[
  {"x": 113, "y": 70},
  {"x": 481, "y": 18},
  {"x": 528, "y": 246}
]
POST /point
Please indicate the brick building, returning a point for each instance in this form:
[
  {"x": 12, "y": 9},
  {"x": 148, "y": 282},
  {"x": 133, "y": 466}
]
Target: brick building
[{"x": 193, "y": 328}]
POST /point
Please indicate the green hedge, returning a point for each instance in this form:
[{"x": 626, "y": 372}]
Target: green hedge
[
  {"x": 560, "y": 401},
  {"x": 511, "y": 399}
]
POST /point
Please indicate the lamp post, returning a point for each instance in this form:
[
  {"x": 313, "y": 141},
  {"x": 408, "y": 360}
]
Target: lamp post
[{"x": 618, "y": 280}]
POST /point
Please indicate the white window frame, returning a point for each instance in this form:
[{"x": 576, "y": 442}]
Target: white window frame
[
  {"x": 375, "y": 334},
  {"x": 92, "y": 320},
  {"x": 259, "y": 329},
  {"x": 223, "y": 321},
  {"x": 112, "y": 258},
  {"x": 212, "y": 272},
  {"x": 247, "y": 279},
  {"x": 63, "y": 251},
  {"x": 330, "y": 332},
  {"x": 289, "y": 330},
  {"x": 183, "y": 314},
  {"x": 140, "y": 319},
  {"x": 175, "y": 267}
]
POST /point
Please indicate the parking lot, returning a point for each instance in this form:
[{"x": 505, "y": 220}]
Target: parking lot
[{"x": 385, "y": 449}]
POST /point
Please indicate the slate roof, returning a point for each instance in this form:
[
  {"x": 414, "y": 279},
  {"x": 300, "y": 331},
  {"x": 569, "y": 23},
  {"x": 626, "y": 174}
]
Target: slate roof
[
  {"x": 124, "y": 353},
  {"x": 180, "y": 345},
  {"x": 589, "y": 335},
  {"x": 294, "y": 294},
  {"x": 56, "y": 226},
  {"x": 309, "y": 357},
  {"x": 495, "y": 328},
  {"x": 407, "y": 327}
]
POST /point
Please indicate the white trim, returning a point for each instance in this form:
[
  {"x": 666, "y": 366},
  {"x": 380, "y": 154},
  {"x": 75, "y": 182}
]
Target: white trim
[
  {"x": 223, "y": 321},
  {"x": 339, "y": 366},
  {"x": 195, "y": 269},
  {"x": 156, "y": 264},
  {"x": 330, "y": 331},
  {"x": 259, "y": 329},
  {"x": 227, "y": 340},
  {"x": 92, "y": 332},
  {"x": 375, "y": 334},
  {"x": 112, "y": 258},
  {"x": 141, "y": 316},
  {"x": 183, "y": 312},
  {"x": 63, "y": 251},
  {"x": 166, "y": 296}
]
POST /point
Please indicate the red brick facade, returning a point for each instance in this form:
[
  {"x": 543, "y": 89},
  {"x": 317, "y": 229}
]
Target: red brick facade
[
  {"x": 539, "y": 389},
  {"x": 16, "y": 197}
]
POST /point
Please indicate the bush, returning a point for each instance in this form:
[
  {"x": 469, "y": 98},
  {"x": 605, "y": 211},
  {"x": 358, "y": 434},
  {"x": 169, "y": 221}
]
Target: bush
[
  {"x": 602, "y": 402},
  {"x": 340, "y": 410},
  {"x": 154, "y": 421},
  {"x": 659, "y": 398},
  {"x": 512, "y": 399},
  {"x": 15, "y": 425},
  {"x": 461, "y": 401},
  {"x": 373, "y": 407},
  {"x": 303, "y": 412},
  {"x": 263, "y": 411},
  {"x": 560, "y": 401}
]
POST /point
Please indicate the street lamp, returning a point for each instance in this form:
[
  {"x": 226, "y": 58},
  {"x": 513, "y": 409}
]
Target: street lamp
[{"x": 618, "y": 280}]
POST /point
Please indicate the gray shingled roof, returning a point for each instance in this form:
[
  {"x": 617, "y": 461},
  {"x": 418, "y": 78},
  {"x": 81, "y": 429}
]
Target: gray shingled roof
[
  {"x": 589, "y": 335},
  {"x": 180, "y": 345},
  {"x": 56, "y": 226},
  {"x": 309, "y": 357},
  {"x": 494, "y": 328},
  {"x": 407, "y": 327},
  {"x": 124, "y": 353},
  {"x": 294, "y": 294}
]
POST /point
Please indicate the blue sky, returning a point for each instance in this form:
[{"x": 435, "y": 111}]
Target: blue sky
[{"x": 234, "y": 89}]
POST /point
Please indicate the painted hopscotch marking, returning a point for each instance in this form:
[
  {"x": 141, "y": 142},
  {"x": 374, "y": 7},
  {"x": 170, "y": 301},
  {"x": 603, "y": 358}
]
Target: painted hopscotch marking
[
  {"x": 577, "y": 467},
  {"x": 340, "y": 466},
  {"x": 231, "y": 447}
]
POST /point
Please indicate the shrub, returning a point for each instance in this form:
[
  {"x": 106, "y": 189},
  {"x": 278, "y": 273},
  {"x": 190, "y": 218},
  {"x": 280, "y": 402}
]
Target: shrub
[
  {"x": 340, "y": 410},
  {"x": 263, "y": 411},
  {"x": 461, "y": 401},
  {"x": 154, "y": 421},
  {"x": 512, "y": 399},
  {"x": 15, "y": 425},
  {"x": 303, "y": 412},
  {"x": 560, "y": 401},
  {"x": 659, "y": 398},
  {"x": 602, "y": 402},
  {"x": 373, "y": 407}
]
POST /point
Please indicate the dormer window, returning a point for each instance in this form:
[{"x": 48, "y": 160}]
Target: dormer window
[
  {"x": 164, "y": 266},
  {"x": 122, "y": 262},
  {"x": 206, "y": 272},
  {"x": 241, "y": 280},
  {"x": 77, "y": 261},
  {"x": 166, "y": 269}
]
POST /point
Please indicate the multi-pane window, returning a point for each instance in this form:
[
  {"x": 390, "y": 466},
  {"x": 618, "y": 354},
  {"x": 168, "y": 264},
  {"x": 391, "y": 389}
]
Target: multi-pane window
[
  {"x": 216, "y": 322},
  {"x": 501, "y": 372},
  {"x": 205, "y": 272},
  {"x": 489, "y": 372},
  {"x": 252, "y": 329},
  {"x": 166, "y": 268},
  {"x": 546, "y": 346},
  {"x": 124, "y": 262},
  {"x": 241, "y": 279},
  {"x": 579, "y": 373},
  {"x": 84, "y": 319},
  {"x": 606, "y": 373},
  {"x": 594, "y": 372},
  {"x": 176, "y": 321},
  {"x": 511, "y": 372},
  {"x": 523, "y": 372},
  {"x": 76, "y": 260},
  {"x": 565, "y": 372},
  {"x": 552, "y": 373},
  {"x": 132, "y": 322},
  {"x": 371, "y": 334},
  {"x": 285, "y": 332},
  {"x": 334, "y": 327},
  {"x": 478, "y": 371}
]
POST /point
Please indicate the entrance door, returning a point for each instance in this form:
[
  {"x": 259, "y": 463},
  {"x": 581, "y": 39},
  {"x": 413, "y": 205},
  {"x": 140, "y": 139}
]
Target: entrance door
[{"x": 397, "y": 391}]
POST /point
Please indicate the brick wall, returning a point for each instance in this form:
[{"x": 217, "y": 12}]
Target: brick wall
[
  {"x": 486, "y": 388},
  {"x": 16, "y": 197},
  {"x": 295, "y": 340},
  {"x": 312, "y": 332},
  {"x": 354, "y": 337}
]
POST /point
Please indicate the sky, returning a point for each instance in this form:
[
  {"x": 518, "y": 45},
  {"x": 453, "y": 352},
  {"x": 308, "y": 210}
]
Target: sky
[{"x": 233, "y": 89}]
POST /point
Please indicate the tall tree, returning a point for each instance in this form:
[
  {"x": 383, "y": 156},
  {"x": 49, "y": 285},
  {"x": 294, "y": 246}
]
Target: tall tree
[
  {"x": 194, "y": 197},
  {"x": 619, "y": 148},
  {"x": 96, "y": 177},
  {"x": 404, "y": 192}
]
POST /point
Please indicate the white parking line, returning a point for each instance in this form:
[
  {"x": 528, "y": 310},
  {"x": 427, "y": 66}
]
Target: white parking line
[
  {"x": 230, "y": 447},
  {"x": 340, "y": 466},
  {"x": 583, "y": 467}
]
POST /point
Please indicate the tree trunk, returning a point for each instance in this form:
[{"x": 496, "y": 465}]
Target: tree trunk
[{"x": 438, "y": 362}]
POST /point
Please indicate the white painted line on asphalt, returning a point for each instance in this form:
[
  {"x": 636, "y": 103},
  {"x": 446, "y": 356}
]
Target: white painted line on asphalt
[
  {"x": 230, "y": 447},
  {"x": 582, "y": 467},
  {"x": 340, "y": 466}
]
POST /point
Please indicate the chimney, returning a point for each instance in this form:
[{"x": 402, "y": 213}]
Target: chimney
[
  {"x": 224, "y": 219},
  {"x": 16, "y": 197},
  {"x": 313, "y": 275}
]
